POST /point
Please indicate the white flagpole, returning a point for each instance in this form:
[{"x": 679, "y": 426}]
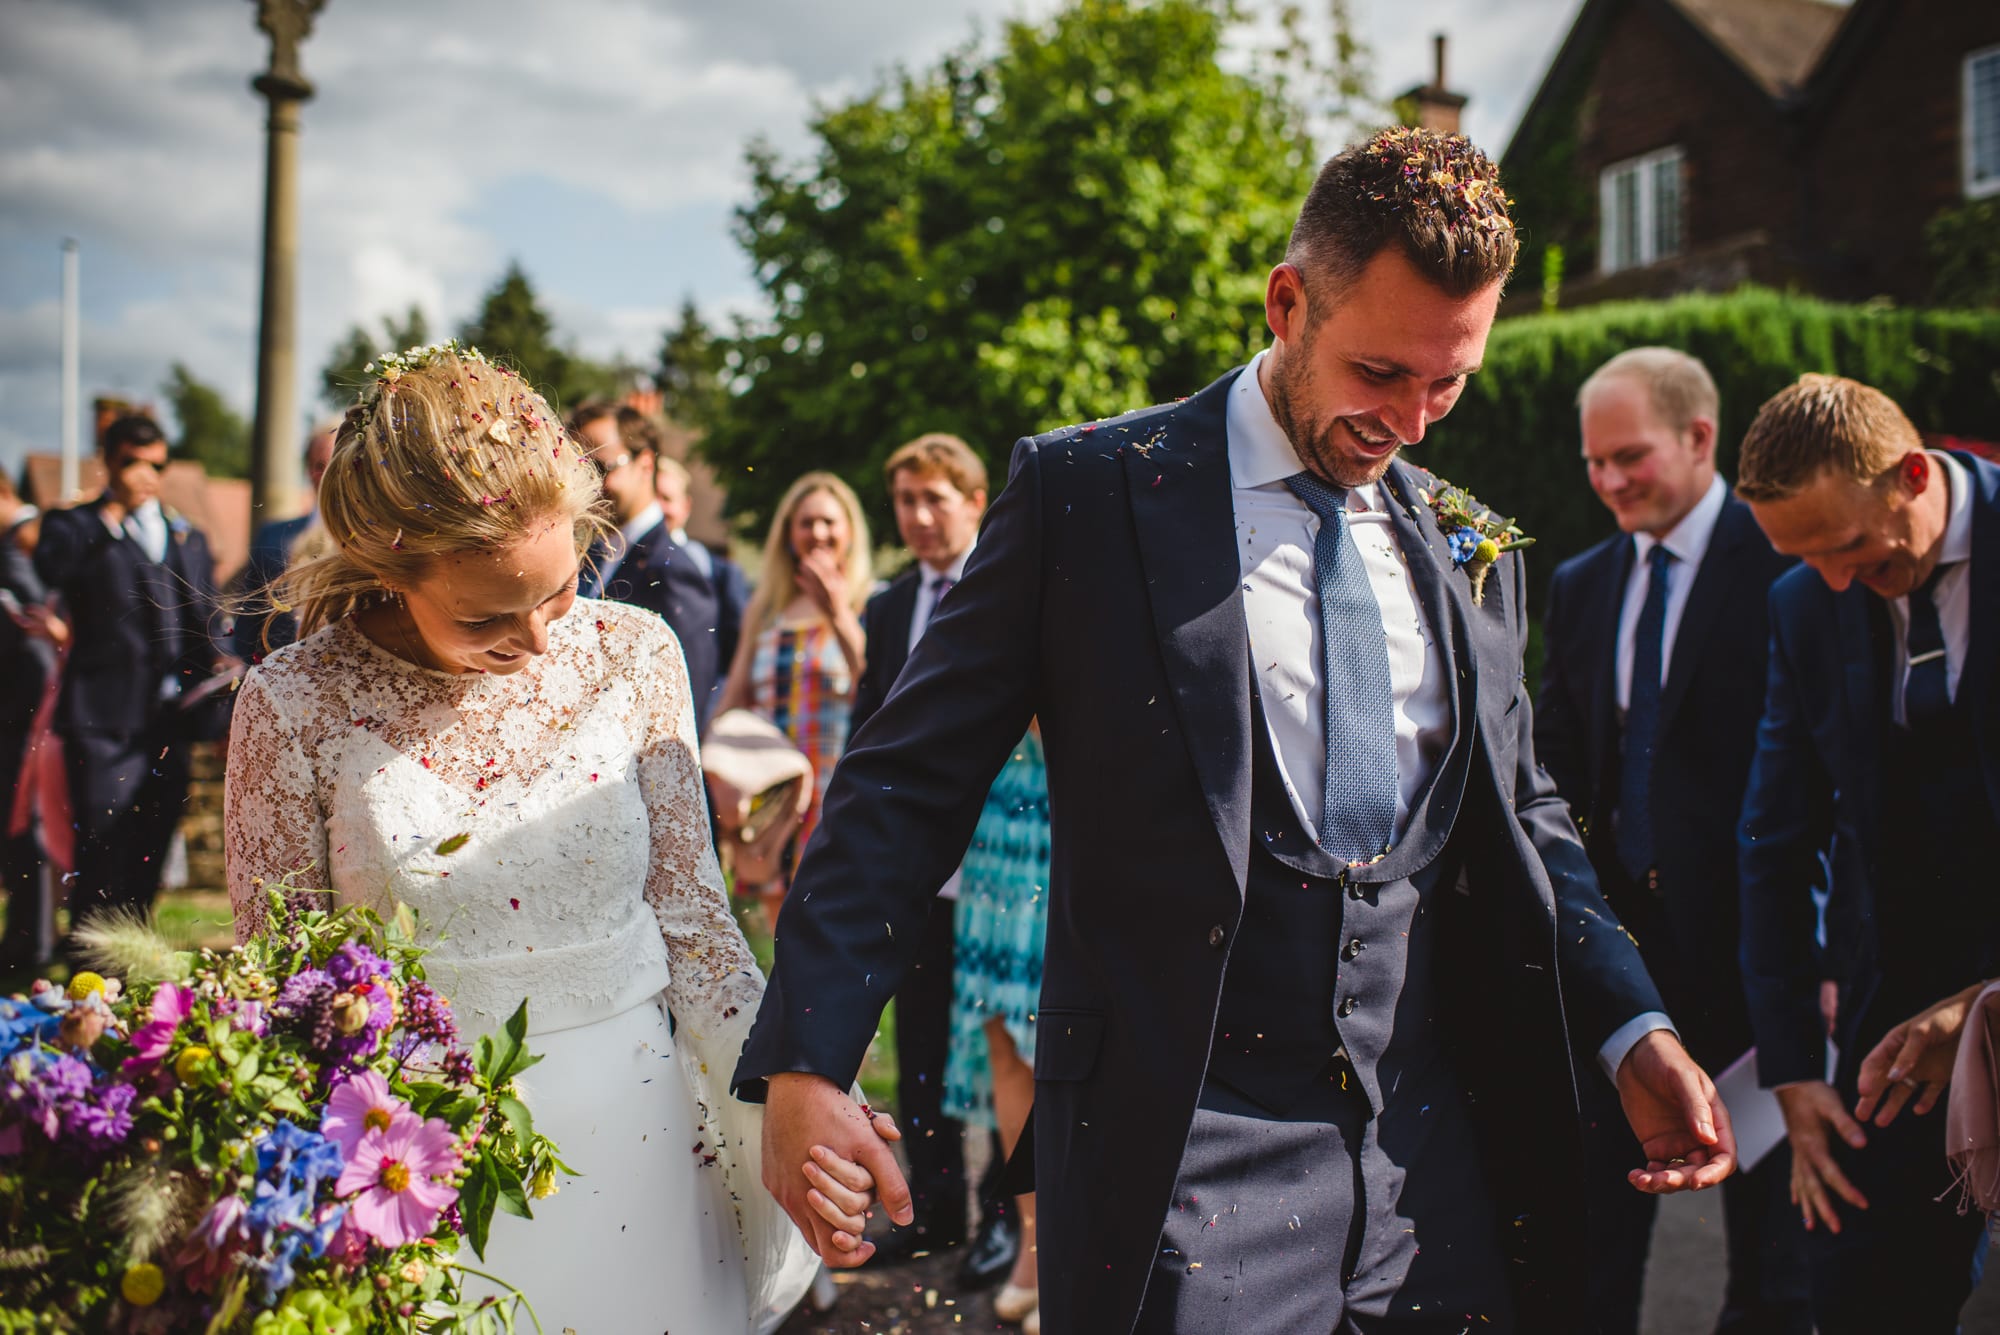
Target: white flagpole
[{"x": 72, "y": 407}]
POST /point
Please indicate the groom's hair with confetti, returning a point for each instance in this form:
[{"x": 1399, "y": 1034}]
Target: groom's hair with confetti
[
  {"x": 447, "y": 452},
  {"x": 1433, "y": 195}
]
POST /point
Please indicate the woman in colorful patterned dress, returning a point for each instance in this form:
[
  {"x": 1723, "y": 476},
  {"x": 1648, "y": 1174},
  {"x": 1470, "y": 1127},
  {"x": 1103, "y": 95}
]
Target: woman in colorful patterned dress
[
  {"x": 802, "y": 650},
  {"x": 1002, "y": 920}
]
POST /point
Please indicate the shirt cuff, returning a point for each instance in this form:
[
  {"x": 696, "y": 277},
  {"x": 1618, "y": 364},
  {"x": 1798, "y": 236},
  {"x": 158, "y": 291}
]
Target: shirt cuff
[{"x": 1626, "y": 1037}]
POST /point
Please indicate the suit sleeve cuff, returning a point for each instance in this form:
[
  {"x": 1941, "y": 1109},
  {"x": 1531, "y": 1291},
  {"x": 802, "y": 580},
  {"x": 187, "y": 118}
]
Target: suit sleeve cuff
[{"x": 1626, "y": 1037}]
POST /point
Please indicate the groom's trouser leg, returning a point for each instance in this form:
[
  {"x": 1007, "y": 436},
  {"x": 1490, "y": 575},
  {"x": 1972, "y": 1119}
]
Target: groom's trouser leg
[
  {"x": 1324, "y": 1220},
  {"x": 1619, "y": 1218},
  {"x": 932, "y": 1142}
]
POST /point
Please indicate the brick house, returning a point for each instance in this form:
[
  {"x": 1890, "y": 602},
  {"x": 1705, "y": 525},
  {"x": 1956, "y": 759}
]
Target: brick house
[{"x": 1679, "y": 145}]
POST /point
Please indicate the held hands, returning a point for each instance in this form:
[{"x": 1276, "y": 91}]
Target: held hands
[
  {"x": 1914, "y": 1059},
  {"x": 1811, "y": 1107},
  {"x": 826, "y": 1160},
  {"x": 1675, "y": 1113}
]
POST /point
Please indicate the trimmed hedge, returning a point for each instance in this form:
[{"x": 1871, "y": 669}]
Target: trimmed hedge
[{"x": 1513, "y": 438}]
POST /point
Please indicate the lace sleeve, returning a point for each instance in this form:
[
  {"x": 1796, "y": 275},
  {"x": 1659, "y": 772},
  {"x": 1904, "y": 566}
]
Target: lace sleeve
[
  {"x": 271, "y": 821},
  {"x": 714, "y": 974}
]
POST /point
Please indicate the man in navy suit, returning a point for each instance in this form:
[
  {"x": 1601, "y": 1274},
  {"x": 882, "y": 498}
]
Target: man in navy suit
[
  {"x": 641, "y": 564},
  {"x": 671, "y": 484},
  {"x": 260, "y": 628},
  {"x": 1652, "y": 685},
  {"x": 938, "y": 488},
  {"x": 1880, "y": 746},
  {"x": 138, "y": 585},
  {"x": 1322, "y": 940}
]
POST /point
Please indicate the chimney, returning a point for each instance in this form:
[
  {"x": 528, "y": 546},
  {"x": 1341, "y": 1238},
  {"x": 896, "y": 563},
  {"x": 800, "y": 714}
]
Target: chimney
[{"x": 1432, "y": 105}]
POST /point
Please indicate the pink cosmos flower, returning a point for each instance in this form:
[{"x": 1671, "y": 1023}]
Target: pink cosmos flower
[
  {"x": 395, "y": 1172},
  {"x": 357, "y": 1106},
  {"x": 172, "y": 1004}
]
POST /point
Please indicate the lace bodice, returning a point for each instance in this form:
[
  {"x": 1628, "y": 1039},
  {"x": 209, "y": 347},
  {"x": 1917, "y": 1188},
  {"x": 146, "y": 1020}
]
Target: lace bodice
[{"x": 585, "y": 879}]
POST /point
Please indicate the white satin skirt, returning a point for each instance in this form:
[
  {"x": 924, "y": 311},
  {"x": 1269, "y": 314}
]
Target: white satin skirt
[{"x": 646, "y": 1237}]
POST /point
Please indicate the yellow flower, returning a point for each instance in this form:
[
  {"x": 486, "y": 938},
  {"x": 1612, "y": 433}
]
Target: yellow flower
[
  {"x": 143, "y": 1284},
  {"x": 1488, "y": 551},
  {"x": 543, "y": 1185},
  {"x": 194, "y": 1061},
  {"x": 85, "y": 984}
]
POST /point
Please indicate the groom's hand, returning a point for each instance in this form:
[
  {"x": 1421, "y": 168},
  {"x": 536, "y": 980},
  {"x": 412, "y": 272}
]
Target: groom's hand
[
  {"x": 807, "y": 1113},
  {"x": 1680, "y": 1122}
]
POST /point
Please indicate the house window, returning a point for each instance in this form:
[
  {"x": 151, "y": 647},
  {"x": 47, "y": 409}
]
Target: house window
[
  {"x": 1982, "y": 122},
  {"x": 1639, "y": 202}
]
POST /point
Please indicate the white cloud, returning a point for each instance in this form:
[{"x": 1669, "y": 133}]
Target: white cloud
[{"x": 450, "y": 136}]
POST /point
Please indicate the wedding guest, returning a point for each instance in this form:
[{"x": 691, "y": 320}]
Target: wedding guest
[
  {"x": 1002, "y": 922},
  {"x": 30, "y": 637},
  {"x": 938, "y": 488},
  {"x": 138, "y": 585},
  {"x": 802, "y": 648},
  {"x": 640, "y": 562},
  {"x": 1875, "y": 745},
  {"x": 261, "y": 627},
  {"x": 1652, "y": 685},
  {"x": 672, "y": 483},
  {"x": 458, "y": 732},
  {"x": 1325, "y": 956}
]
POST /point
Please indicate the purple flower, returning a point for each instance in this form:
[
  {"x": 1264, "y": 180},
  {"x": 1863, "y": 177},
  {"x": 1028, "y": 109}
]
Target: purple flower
[
  {"x": 352, "y": 965},
  {"x": 427, "y": 1016},
  {"x": 60, "y": 1096},
  {"x": 211, "y": 1247},
  {"x": 102, "y": 1121},
  {"x": 458, "y": 1067}
]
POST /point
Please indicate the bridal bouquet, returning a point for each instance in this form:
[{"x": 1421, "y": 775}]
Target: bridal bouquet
[{"x": 283, "y": 1138}]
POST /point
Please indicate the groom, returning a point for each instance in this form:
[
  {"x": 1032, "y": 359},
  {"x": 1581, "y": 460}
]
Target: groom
[{"x": 1324, "y": 953}]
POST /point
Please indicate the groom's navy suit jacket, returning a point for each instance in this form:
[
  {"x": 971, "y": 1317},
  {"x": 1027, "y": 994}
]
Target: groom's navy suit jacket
[
  {"x": 1711, "y": 698},
  {"x": 1104, "y": 597},
  {"x": 1816, "y": 787}
]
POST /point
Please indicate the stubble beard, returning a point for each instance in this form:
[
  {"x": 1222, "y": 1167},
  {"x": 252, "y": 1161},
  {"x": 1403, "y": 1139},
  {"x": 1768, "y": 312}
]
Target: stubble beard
[{"x": 1318, "y": 443}]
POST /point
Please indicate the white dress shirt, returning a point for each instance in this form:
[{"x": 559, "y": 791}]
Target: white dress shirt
[
  {"x": 146, "y": 526},
  {"x": 1688, "y": 541},
  {"x": 700, "y": 555},
  {"x": 1952, "y": 594},
  {"x": 1275, "y": 531},
  {"x": 639, "y": 525},
  {"x": 920, "y": 619}
]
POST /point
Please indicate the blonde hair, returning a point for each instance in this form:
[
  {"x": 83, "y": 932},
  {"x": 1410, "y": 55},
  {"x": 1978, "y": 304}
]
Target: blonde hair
[
  {"x": 449, "y": 455},
  {"x": 779, "y": 578},
  {"x": 665, "y": 465},
  {"x": 1679, "y": 386},
  {"x": 1823, "y": 423}
]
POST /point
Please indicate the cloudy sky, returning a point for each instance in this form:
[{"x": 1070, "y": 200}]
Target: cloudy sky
[{"x": 600, "y": 142}]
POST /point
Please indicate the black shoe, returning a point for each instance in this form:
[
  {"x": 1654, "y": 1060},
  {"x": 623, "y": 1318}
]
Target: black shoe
[
  {"x": 991, "y": 1254},
  {"x": 903, "y": 1245}
]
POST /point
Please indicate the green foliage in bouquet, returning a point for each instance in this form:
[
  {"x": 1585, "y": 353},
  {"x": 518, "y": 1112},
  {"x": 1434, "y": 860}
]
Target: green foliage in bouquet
[{"x": 283, "y": 1137}]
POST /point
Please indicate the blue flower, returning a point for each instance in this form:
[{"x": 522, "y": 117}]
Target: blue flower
[
  {"x": 1464, "y": 542},
  {"x": 22, "y": 1023},
  {"x": 279, "y": 1264},
  {"x": 291, "y": 1154}
]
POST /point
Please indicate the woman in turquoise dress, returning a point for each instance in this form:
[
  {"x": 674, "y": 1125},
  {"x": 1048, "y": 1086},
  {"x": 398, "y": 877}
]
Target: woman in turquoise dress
[{"x": 1001, "y": 923}]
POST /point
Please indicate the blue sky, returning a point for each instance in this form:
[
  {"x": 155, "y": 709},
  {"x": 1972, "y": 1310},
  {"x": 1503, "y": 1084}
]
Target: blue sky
[{"x": 599, "y": 142}]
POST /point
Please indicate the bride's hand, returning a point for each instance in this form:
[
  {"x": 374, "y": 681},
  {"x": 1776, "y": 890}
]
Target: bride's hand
[{"x": 842, "y": 1190}]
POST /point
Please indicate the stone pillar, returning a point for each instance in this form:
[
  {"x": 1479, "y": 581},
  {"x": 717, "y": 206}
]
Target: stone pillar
[{"x": 276, "y": 488}]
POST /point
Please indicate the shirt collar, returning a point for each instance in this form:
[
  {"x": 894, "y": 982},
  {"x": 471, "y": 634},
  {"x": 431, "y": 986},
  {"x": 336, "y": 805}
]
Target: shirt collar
[
  {"x": 1958, "y": 520},
  {"x": 1688, "y": 540},
  {"x": 1260, "y": 454},
  {"x": 953, "y": 572},
  {"x": 643, "y": 523}
]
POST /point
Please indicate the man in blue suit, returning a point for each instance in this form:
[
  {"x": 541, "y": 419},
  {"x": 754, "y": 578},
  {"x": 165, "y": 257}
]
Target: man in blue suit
[
  {"x": 261, "y": 628},
  {"x": 640, "y": 563},
  {"x": 1325, "y": 955},
  {"x": 1652, "y": 685},
  {"x": 1880, "y": 744},
  {"x": 138, "y": 585}
]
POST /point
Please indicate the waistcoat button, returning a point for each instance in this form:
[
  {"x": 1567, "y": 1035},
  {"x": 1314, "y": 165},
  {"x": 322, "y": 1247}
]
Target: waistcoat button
[
  {"x": 1354, "y": 948},
  {"x": 1347, "y": 1007},
  {"x": 1216, "y": 936}
]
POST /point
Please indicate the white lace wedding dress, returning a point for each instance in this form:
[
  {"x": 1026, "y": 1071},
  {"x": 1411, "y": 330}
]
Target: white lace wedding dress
[{"x": 586, "y": 883}]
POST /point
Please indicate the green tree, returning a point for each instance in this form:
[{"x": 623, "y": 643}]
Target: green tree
[
  {"x": 511, "y": 326},
  {"x": 1072, "y": 226},
  {"x": 691, "y": 372},
  {"x": 212, "y": 433},
  {"x": 342, "y": 377}
]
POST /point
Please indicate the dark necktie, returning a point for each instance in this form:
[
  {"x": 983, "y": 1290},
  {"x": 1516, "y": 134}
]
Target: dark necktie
[
  {"x": 1358, "y": 805},
  {"x": 1926, "y": 691},
  {"x": 939, "y": 587},
  {"x": 1642, "y": 721}
]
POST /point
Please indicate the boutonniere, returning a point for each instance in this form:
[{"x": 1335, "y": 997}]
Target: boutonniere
[
  {"x": 177, "y": 523},
  {"x": 1478, "y": 538}
]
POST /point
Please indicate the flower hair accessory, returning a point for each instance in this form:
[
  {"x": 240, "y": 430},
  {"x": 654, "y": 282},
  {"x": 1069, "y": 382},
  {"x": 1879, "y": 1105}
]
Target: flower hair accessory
[
  {"x": 1478, "y": 538},
  {"x": 393, "y": 366}
]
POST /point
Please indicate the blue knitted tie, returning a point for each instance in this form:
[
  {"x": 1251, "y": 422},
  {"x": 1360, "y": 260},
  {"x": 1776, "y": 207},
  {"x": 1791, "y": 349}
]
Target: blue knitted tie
[
  {"x": 1358, "y": 811},
  {"x": 1642, "y": 721},
  {"x": 1926, "y": 691}
]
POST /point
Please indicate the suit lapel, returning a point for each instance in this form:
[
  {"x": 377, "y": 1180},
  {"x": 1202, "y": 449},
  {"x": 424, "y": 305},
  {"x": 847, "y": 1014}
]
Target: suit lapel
[
  {"x": 901, "y": 610},
  {"x": 1866, "y": 702},
  {"x": 1712, "y": 579},
  {"x": 1606, "y": 609},
  {"x": 1980, "y": 649},
  {"x": 1184, "y": 518}
]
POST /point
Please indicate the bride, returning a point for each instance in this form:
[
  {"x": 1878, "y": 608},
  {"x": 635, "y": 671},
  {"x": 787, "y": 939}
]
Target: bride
[{"x": 458, "y": 731}]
